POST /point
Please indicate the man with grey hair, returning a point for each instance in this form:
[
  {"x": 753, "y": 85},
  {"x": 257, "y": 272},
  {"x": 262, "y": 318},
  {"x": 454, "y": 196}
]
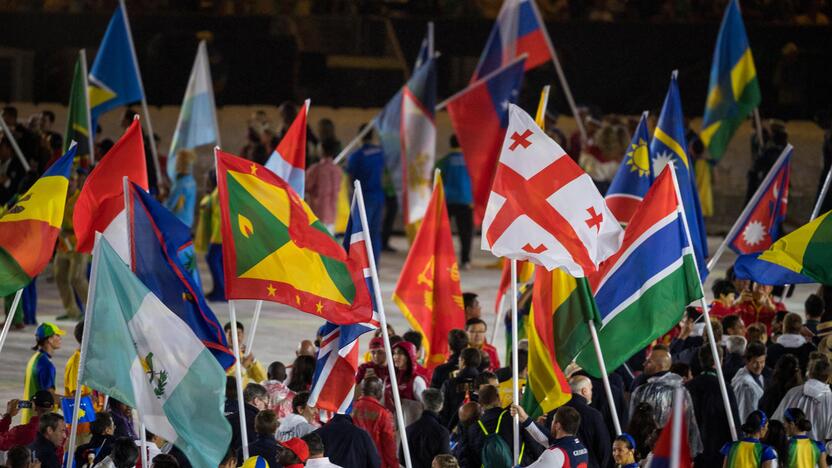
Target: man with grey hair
[
  {"x": 592, "y": 430},
  {"x": 427, "y": 437},
  {"x": 256, "y": 399}
]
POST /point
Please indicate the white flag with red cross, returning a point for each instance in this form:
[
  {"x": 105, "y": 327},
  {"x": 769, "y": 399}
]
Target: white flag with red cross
[{"x": 543, "y": 207}]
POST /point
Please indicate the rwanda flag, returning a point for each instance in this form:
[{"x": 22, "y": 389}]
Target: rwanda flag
[
  {"x": 29, "y": 228},
  {"x": 114, "y": 77},
  {"x": 668, "y": 145},
  {"x": 275, "y": 248},
  {"x": 78, "y": 114},
  {"x": 733, "y": 91}
]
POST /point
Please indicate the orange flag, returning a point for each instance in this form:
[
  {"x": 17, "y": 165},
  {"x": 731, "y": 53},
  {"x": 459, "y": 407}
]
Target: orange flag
[{"x": 428, "y": 291}]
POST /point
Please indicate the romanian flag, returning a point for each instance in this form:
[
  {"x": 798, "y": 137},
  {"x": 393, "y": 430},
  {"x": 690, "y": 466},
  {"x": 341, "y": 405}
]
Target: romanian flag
[
  {"x": 733, "y": 91},
  {"x": 800, "y": 257},
  {"x": 29, "y": 228},
  {"x": 561, "y": 307},
  {"x": 275, "y": 249},
  {"x": 428, "y": 291}
]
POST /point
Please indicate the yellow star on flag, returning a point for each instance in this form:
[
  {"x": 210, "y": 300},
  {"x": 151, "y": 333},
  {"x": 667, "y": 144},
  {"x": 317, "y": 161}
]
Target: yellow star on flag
[
  {"x": 271, "y": 290},
  {"x": 253, "y": 169},
  {"x": 319, "y": 307}
]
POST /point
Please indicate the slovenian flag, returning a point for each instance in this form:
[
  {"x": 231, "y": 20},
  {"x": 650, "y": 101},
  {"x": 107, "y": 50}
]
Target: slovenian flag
[{"x": 197, "y": 124}]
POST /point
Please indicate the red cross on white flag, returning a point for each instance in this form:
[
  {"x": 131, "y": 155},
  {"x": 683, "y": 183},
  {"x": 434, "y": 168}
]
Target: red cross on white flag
[{"x": 543, "y": 207}]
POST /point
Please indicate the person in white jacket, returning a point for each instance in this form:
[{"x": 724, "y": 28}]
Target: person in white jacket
[
  {"x": 814, "y": 398},
  {"x": 748, "y": 382}
]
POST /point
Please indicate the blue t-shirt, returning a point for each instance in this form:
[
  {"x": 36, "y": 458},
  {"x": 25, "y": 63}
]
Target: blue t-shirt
[
  {"x": 455, "y": 179},
  {"x": 367, "y": 166}
]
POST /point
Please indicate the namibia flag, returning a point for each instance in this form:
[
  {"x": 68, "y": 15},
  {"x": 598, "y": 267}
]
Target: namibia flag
[
  {"x": 275, "y": 248},
  {"x": 29, "y": 228}
]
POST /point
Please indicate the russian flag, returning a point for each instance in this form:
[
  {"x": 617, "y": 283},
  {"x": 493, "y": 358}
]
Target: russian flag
[
  {"x": 479, "y": 115},
  {"x": 407, "y": 131},
  {"x": 634, "y": 177},
  {"x": 333, "y": 383},
  {"x": 518, "y": 30},
  {"x": 760, "y": 223},
  {"x": 288, "y": 160}
]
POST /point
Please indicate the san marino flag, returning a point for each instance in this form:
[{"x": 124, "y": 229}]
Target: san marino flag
[{"x": 142, "y": 354}]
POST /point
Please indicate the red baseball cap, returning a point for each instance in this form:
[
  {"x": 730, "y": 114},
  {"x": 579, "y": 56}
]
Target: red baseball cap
[
  {"x": 376, "y": 343},
  {"x": 298, "y": 447}
]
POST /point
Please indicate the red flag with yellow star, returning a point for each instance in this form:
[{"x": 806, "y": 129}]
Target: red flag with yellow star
[
  {"x": 428, "y": 291},
  {"x": 275, "y": 249}
]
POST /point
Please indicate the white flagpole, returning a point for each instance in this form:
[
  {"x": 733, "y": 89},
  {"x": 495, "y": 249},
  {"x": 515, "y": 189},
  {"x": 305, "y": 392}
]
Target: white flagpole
[
  {"x": 676, "y": 429},
  {"x": 143, "y": 444},
  {"x": 717, "y": 363},
  {"x": 430, "y": 39},
  {"x": 604, "y": 376},
  {"x": 748, "y": 206},
  {"x": 145, "y": 109},
  {"x": 90, "y": 129},
  {"x": 10, "y": 316},
  {"x": 344, "y": 152},
  {"x": 204, "y": 45},
  {"x": 258, "y": 306},
  {"x": 821, "y": 196},
  {"x": 13, "y": 141},
  {"x": 497, "y": 319},
  {"x": 82, "y": 359},
  {"x": 515, "y": 375},
  {"x": 391, "y": 369}
]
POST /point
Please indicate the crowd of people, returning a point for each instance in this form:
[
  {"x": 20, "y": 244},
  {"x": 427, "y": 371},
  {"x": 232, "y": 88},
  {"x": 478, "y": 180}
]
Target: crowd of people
[{"x": 802, "y": 12}]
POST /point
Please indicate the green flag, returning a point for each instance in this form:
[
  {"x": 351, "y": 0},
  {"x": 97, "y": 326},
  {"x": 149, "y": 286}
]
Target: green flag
[{"x": 78, "y": 115}]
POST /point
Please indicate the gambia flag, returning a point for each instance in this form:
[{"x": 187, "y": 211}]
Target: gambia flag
[
  {"x": 275, "y": 248},
  {"x": 29, "y": 228},
  {"x": 135, "y": 349},
  {"x": 561, "y": 307}
]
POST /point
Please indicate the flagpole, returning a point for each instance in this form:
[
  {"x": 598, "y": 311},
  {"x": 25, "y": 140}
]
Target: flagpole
[
  {"x": 748, "y": 206},
  {"x": 497, "y": 319},
  {"x": 238, "y": 375},
  {"x": 604, "y": 376},
  {"x": 676, "y": 428},
  {"x": 143, "y": 443},
  {"x": 145, "y": 109},
  {"x": 391, "y": 369},
  {"x": 717, "y": 362},
  {"x": 343, "y": 154},
  {"x": 10, "y": 316},
  {"x": 561, "y": 76},
  {"x": 202, "y": 43},
  {"x": 822, "y": 195},
  {"x": 253, "y": 327},
  {"x": 515, "y": 375},
  {"x": 430, "y": 39},
  {"x": 13, "y": 142},
  {"x": 90, "y": 131},
  {"x": 82, "y": 358},
  {"x": 759, "y": 125}
]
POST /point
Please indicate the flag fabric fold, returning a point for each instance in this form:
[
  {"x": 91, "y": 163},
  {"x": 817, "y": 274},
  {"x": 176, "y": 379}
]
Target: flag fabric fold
[
  {"x": 643, "y": 289},
  {"x": 561, "y": 307},
  {"x": 428, "y": 291},
  {"x": 407, "y": 132},
  {"x": 78, "y": 118},
  {"x": 30, "y": 227},
  {"x": 543, "y": 207},
  {"x": 100, "y": 205},
  {"x": 479, "y": 115},
  {"x": 669, "y": 144},
  {"x": 733, "y": 89},
  {"x": 114, "y": 76},
  {"x": 518, "y": 30},
  {"x": 288, "y": 160},
  {"x": 197, "y": 123},
  {"x": 163, "y": 258},
  {"x": 333, "y": 383},
  {"x": 275, "y": 248},
  {"x": 142, "y": 354},
  {"x": 634, "y": 176}
]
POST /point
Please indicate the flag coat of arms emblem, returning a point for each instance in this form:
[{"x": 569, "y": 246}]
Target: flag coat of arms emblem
[{"x": 543, "y": 207}]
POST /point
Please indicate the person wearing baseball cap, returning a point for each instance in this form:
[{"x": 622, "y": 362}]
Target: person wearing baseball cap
[
  {"x": 294, "y": 453},
  {"x": 377, "y": 366},
  {"x": 40, "y": 372}
]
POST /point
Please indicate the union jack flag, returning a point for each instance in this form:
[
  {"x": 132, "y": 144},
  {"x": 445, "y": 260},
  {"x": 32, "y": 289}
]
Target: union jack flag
[{"x": 333, "y": 383}]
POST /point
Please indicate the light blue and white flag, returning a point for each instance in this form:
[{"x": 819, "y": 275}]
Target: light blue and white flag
[
  {"x": 197, "y": 124},
  {"x": 141, "y": 353}
]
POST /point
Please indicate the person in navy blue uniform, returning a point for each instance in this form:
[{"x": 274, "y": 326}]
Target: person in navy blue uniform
[
  {"x": 366, "y": 165},
  {"x": 565, "y": 449}
]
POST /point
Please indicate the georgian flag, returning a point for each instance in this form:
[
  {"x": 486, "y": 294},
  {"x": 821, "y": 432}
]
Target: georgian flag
[{"x": 543, "y": 207}]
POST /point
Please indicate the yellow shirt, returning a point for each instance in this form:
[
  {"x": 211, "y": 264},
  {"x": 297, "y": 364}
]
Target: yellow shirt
[
  {"x": 71, "y": 375},
  {"x": 255, "y": 372}
]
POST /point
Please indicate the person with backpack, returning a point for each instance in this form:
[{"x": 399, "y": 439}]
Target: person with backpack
[
  {"x": 489, "y": 441},
  {"x": 566, "y": 450}
]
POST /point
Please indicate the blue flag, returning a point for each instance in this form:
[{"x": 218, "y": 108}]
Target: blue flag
[
  {"x": 162, "y": 253},
  {"x": 633, "y": 179},
  {"x": 114, "y": 76},
  {"x": 87, "y": 409},
  {"x": 669, "y": 144}
]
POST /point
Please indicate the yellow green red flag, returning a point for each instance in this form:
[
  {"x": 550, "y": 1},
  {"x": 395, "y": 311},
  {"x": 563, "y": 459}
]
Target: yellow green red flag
[{"x": 275, "y": 248}]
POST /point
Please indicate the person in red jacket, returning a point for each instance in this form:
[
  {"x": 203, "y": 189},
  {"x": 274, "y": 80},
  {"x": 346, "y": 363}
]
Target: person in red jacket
[
  {"x": 377, "y": 367},
  {"x": 725, "y": 294},
  {"x": 369, "y": 414},
  {"x": 758, "y": 305},
  {"x": 476, "y": 329},
  {"x": 24, "y": 434}
]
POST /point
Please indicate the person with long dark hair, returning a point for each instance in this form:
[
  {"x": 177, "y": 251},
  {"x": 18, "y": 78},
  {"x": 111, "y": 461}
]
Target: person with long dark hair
[
  {"x": 802, "y": 450},
  {"x": 644, "y": 429},
  {"x": 786, "y": 375},
  {"x": 749, "y": 452}
]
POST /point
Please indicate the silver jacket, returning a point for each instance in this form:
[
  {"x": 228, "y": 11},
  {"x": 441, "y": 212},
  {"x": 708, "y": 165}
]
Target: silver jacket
[
  {"x": 748, "y": 391},
  {"x": 658, "y": 392}
]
